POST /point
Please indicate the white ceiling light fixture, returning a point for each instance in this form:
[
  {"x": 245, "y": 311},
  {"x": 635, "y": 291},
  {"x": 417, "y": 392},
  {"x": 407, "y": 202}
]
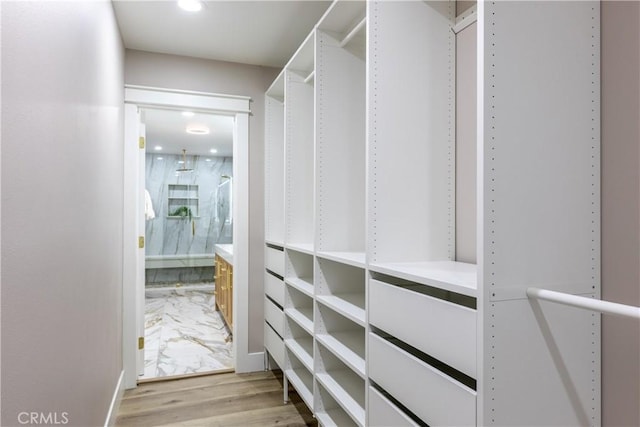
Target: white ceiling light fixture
[
  {"x": 190, "y": 5},
  {"x": 157, "y": 148},
  {"x": 188, "y": 113},
  {"x": 213, "y": 151},
  {"x": 197, "y": 130}
]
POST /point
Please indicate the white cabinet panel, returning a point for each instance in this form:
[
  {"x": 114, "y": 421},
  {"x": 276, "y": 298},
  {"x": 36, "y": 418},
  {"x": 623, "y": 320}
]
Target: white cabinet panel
[
  {"x": 447, "y": 330},
  {"x": 275, "y": 260},
  {"x": 274, "y": 344},
  {"x": 431, "y": 395},
  {"x": 274, "y": 288},
  {"x": 383, "y": 413},
  {"x": 274, "y": 316}
]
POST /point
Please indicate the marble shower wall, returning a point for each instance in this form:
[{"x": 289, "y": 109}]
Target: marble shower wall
[{"x": 211, "y": 223}]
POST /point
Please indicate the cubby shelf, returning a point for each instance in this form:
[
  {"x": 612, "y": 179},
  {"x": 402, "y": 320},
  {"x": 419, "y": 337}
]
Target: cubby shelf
[
  {"x": 334, "y": 417},
  {"x": 303, "y": 349},
  {"x": 329, "y": 412},
  {"x": 304, "y": 285},
  {"x": 348, "y": 347},
  {"x": 350, "y": 306},
  {"x": 353, "y": 258},
  {"x": 306, "y": 248},
  {"x": 348, "y": 390},
  {"x": 452, "y": 276},
  {"x": 303, "y": 316},
  {"x": 302, "y": 381}
]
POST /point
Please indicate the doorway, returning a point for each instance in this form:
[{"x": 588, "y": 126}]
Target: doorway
[
  {"x": 140, "y": 101},
  {"x": 188, "y": 178}
]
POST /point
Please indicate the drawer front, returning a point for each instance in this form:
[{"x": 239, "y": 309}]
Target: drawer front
[
  {"x": 383, "y": 413},
  {"x": 274, "y": 287},
  {"x": 275, "y": 260},
  {"x": 274, "y": 316},
  {"x": 425, "y": 391},
  {"x": 274, "y": 345},
  {"x": 447, "y": 331}
]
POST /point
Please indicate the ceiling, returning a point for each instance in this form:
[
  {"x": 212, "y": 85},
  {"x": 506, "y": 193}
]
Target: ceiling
[
  {"x": 168, "y": 129},
  {"x": 263, "y": 33}
]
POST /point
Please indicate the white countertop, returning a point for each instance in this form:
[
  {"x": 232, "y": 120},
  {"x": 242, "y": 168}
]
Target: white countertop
[{"x": 226, "y": 252}]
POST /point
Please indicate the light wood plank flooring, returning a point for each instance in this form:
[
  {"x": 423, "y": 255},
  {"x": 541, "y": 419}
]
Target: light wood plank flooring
[{"x": 223, "y": 400}]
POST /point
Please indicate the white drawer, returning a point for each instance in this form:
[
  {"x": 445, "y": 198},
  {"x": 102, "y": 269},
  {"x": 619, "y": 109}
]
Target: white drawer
[
  {"x": 274, "y": 316},
  {"x": 443, "y": 330},
  {"x": 274, "y": 287},
  {"x": 433, "y": 396},
  {"x": 383, "y": 413},
  {"x": 274, "y": 260},
  {"x": 274, "y": 345}
]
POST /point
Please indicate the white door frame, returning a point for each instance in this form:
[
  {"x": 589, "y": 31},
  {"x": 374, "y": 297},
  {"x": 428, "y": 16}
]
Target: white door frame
[{"x": 237, "y": 106}]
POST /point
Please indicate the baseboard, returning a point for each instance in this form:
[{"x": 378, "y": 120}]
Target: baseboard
[{"x": 115, "y": 402}]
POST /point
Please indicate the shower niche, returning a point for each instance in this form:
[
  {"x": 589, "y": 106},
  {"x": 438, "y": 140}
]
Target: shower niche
[{"x": 182, "y": 201}]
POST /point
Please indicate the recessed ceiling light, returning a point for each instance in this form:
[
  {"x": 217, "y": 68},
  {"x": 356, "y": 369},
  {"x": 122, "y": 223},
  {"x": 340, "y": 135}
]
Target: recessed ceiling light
[
  {"x": 190, "y": 5},
  {"x": 180, "y": 162},
  {"x": 213, "y": 151},
  {"x": 158, "y": 158},
  {"x": 188, "y": 113},
  {"x": 207, "y": 160},
  {"x": 197, "y": 130},
  {"x": 157, "y": 148}
]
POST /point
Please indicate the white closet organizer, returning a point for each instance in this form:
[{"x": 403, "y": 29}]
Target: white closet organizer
[{"x": 401, "y": 136}]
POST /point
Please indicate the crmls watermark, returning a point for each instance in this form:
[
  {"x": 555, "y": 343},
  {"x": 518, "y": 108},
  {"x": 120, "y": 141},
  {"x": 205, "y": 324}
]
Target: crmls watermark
[{"x": 44, "y": 418}]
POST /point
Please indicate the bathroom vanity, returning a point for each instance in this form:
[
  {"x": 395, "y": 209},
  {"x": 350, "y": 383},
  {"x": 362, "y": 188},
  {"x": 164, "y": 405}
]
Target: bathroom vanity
[{"x": 224, "y": 282}]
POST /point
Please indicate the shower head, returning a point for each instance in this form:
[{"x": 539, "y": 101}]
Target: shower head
[{"x": 184, "y": 167}]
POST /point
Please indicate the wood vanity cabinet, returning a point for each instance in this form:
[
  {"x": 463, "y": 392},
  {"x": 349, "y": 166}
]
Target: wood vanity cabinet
[{"x": 224, "y": 290}]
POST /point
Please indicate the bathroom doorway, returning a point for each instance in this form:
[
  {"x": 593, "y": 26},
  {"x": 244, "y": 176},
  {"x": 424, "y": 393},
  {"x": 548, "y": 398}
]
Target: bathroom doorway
[
  {"x": 188, "y": 181},
  {"x": 139, "y": 102}
]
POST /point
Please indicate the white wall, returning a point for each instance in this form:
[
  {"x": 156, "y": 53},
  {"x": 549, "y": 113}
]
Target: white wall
[
  {"x": 185, "y": 73},
  {"x": 620, "y": 209},
  {"x": 62, "y": 190}
]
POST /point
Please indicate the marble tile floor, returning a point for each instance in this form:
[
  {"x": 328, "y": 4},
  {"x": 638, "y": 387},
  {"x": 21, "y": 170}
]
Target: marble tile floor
[{"x": 183, "y": 333}]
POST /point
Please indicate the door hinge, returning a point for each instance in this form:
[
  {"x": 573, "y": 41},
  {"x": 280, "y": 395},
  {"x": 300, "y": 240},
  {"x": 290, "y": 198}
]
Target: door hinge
[
  {"x": 141, "y": 242},
  {"x": 141, "y": 142},
  {"x": 140, "y": 343}
]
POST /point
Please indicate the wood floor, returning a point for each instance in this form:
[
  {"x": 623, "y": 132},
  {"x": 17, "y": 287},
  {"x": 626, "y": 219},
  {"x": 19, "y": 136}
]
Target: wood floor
[{"x": 223, "y": 400}]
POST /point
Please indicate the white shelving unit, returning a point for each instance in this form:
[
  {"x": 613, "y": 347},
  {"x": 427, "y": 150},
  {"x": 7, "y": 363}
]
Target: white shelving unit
[{"x": 423, "y": 169}]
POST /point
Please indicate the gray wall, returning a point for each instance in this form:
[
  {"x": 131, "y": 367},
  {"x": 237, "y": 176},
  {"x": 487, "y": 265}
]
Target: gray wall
[
  {"x": 620, "y": 209},
  {"x": 178, "y": 72},
  {"x": 62, "y": 191}
]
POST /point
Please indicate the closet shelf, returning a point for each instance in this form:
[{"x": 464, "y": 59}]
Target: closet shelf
[
  {"x": 304, "y": 285},
  {"x": 452, "y": 276},
  {"x": 349, "y": 347},
  {"x": 296, "y": 378},
  {"x": 306, "y": 248},
  {"x": 300, "y": 347},
  {"x": 348, "y": 391},
  {"x": 350, "y": 306},
  {"x": 353, "y": 258},
  {"x": 334, "y": 417},
  {"x": 303, "y": 316}
]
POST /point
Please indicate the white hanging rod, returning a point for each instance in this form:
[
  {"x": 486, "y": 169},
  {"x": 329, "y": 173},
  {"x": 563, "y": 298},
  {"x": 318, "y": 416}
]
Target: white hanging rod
[
  {"x": 605, "y": 307},
  {"x": 353, "y": 32}
]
